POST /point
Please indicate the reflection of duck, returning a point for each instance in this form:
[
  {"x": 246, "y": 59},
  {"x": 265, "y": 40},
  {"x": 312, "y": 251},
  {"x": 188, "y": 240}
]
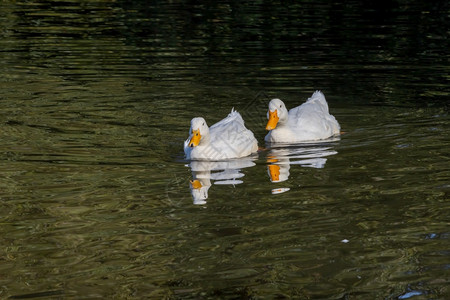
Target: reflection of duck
[
  {"x": 278, "y": 169},
  {"x": 226, "y": 139},
  {"x": 222, "y": 172},
  {"x": 281, "y": 159},
  {"x": 308, "y": 122},
  {"x": 199, "y": 187}
]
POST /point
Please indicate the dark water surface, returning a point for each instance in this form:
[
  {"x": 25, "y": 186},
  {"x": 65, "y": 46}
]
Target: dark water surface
[{"x": 95, "y": 103}]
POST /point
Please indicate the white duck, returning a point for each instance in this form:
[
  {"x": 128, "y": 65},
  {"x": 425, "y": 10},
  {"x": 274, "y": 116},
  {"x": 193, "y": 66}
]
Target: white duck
[
  {"x": 228, "y": 138},
  {"x": 308, "y": 122}
]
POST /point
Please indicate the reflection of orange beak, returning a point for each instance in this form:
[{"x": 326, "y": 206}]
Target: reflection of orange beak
[
  {"x": 195, "y": 139},
  {"x": 273, "y": 120},
  {"x": 271, "y": 159},
  {"x": 195, "y": 184},
  {"x": 274, "y": 172}
]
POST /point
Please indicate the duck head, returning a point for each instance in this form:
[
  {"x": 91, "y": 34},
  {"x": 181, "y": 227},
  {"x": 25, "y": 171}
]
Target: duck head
[
  {"x": 277, "y": 114},
  {"x": 198, "y": 132}
]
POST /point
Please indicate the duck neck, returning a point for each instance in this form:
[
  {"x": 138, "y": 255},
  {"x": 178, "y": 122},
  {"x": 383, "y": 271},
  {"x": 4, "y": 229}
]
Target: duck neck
[
  {"x": 282, "y": 122},
  {"x": 205, "y": 140}
]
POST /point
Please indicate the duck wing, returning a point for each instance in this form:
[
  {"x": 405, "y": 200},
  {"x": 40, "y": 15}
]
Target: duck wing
[
  {"x": 231, "y": 137},
  {"x": 313, "y": 116}
]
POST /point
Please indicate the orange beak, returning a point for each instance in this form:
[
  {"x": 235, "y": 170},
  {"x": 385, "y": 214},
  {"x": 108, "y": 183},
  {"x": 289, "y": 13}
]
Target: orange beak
[
  {"x": 195, "y": 184},
  {"x": 274, "y": 172},
  {"x": 195, "y": 139},
  {"x": 273, "y": 120}
]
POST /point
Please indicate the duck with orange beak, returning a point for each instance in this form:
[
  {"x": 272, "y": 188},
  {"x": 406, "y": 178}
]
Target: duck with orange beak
[
  {"x": 228, "y": 138},
  {"x": 310, "y": 121}
]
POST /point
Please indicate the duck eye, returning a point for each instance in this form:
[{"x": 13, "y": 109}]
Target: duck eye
[
  {"x": 203, "y": 124},
  {"x": 281, "y": 105}
]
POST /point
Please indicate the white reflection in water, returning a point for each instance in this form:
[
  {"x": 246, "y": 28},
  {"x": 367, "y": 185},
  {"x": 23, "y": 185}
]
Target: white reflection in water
[
  {"x": 280, "y": 159},
  {"x": 220, "y": 172},
  {"x": 279, "y": 190}
]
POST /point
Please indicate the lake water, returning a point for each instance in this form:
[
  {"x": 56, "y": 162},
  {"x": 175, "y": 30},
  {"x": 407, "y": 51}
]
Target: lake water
[{"x": 96, "y": 100}]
